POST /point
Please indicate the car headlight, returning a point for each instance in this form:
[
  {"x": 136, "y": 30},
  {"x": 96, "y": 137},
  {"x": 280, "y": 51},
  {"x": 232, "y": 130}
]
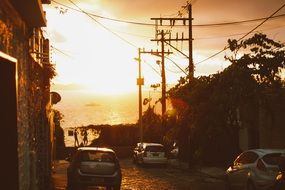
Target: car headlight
[{"x": 279, "y": 177}]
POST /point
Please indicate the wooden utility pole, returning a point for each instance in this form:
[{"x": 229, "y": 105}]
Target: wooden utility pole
[
  {"x": 162, "y": 33},
  {"x": 140, "y": 82},
  {"x": 172, "y": 22},
  {"x": 163, "y": 80},
  {"x": 190, "y": 43}
]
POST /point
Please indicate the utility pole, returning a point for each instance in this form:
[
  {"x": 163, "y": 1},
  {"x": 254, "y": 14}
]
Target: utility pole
[
  {"x": 172, "y": 22},
  {"x": 163, "y": 80},
  {"x": 140, "y": 82},
  {"x": 181, "y": 38},
  {"x": 190, "y": 42},
  {"x": 162, "y": 33}
]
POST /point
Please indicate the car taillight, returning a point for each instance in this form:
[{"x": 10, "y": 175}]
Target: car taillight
[{"x": 260, "y": 165}]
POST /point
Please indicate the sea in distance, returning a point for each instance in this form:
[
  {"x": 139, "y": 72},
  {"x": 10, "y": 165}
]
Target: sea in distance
[{"x": 82, "y": 108}]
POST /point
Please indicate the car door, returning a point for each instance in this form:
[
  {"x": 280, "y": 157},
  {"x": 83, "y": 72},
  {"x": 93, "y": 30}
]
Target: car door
[{"x": 241, "y": 168}]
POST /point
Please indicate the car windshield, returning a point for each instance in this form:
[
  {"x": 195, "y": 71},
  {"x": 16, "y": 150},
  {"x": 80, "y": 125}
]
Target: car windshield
[
  {"x": 272, "y": 159},
  {"x": 97, "y": 156},
  {"x": 154, "y": 149}
]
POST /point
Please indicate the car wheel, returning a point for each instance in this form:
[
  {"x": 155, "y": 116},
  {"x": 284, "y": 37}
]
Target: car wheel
[{"x": 250, "y": 186}]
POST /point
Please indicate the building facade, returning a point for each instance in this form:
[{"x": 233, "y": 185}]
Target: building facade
[
  {"x": 25, "y": 73},
  {"x": 266, "y": 129}
]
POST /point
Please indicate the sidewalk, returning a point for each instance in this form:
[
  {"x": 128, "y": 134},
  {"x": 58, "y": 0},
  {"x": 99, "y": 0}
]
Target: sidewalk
[
  {"x": 208, "y": 173},
  {"x": 212, "y": 173},
  {"x": 59, "y": 175}
]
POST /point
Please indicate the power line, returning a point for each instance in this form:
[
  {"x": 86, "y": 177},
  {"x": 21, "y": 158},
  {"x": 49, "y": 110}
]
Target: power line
[
  {"x": 152, "y": 68},
  {"x": 237, "y": 22},
  {"x": 236, "y": 34},
  {"x": 225, "y": 48},
  {"x": 106, "y": 28},
  {"x": 61, "y": 51},
  {"x": 102, "y": 17},
  {"x": 177, "y": 65},
  {"x": 150, "y": 24}
]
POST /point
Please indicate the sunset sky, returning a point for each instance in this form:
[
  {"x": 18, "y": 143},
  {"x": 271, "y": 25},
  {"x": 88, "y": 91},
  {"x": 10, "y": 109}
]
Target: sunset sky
[{"x": 99, "y": 54}]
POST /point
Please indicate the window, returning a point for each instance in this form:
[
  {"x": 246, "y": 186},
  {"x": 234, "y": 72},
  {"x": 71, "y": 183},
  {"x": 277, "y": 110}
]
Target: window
[
  {"x": 246, "y": 158},
  {"x": 272, "y": 159},
  {"x": 97, "y": 156},
  {"x": 154, "y": 149}
]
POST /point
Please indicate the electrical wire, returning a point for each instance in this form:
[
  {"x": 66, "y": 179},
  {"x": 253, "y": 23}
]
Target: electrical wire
[
  {"x": 102, "y": 17},
  {"x": 236, "y": 34},
  {"x": 60, "y": 51},
  {"x": 152, "y": 68},
  {"x": 172, "y": 71},
  {"x": 225, "y": 48},
  {"x": 177, "y": 65},
  {"x": 106, "y": 28},
  {"x": 150, "y": 24}
]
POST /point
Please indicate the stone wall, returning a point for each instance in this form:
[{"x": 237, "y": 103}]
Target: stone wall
[
  {"x": 13, "y": 42},
  {"x": 33, "y": 124}
]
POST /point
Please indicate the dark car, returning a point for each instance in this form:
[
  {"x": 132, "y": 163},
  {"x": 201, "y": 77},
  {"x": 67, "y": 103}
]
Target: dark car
[{"x": 92, "y": 166}]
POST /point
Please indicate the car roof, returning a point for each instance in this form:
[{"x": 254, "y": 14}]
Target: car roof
[
  {"x": 96, "y": 149},
  {"x": 262, "y": 152},
  {"x": 150, "y": 144}
]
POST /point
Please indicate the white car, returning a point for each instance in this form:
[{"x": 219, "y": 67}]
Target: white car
[
  {"x": 150, "y": 153},
  {"x": 254, "y": 169}
]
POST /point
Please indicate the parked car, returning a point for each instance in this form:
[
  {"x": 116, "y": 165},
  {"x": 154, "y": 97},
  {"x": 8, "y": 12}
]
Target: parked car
[
  {"x": 254, "y": 169},
  {"x": 92, "y": 166},
  {"x": 149, "y": 153}
]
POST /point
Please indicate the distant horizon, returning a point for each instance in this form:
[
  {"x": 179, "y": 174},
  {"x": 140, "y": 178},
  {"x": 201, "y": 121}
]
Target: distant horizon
[
  {"x": 82, "y": 88},
  {"x": 82, "y": 108}
]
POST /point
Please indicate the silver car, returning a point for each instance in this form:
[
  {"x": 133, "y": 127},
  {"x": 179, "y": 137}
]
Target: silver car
[
  {"x": 92, "y": 166},
  {"x": 149, "y": 153},
  {"x": 254, "y": 169}
]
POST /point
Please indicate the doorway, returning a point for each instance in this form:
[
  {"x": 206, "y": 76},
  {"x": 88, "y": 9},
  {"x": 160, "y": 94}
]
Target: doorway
[{"x": 8, "y": 120}]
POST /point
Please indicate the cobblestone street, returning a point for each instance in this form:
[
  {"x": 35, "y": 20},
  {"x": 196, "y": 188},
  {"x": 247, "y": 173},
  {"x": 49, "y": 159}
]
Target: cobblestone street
[{"x": 150, "y": 178}]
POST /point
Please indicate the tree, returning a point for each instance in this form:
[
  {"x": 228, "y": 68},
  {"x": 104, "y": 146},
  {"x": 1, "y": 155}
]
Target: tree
[
  {"x": 152, "y": 128},
  {"x": 262, "y": 56},
  {"x": 217, "y": 104}
]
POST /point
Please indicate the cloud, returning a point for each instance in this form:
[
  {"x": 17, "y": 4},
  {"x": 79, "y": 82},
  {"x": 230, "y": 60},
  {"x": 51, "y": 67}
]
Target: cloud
[{"x": 57, "y": 37}]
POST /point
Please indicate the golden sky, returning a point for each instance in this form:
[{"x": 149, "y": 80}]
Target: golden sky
[{"x": 87, "y": 52}]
